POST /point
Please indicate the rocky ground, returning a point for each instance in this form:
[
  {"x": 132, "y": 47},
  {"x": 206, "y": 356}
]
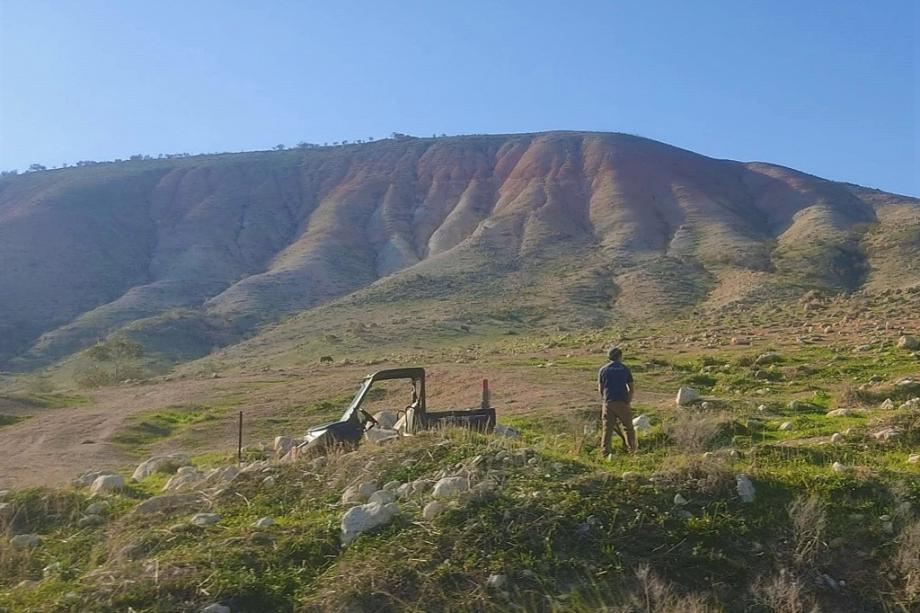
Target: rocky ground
[{"x": 785, "y": 477}]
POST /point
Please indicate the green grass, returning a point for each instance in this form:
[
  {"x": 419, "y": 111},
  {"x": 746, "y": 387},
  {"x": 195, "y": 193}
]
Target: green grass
[{"x": 150, "y": 427}]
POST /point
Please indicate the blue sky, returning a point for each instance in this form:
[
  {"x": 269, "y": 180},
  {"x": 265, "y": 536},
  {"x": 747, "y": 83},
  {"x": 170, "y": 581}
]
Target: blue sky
[{"x": 828, "y": 87}]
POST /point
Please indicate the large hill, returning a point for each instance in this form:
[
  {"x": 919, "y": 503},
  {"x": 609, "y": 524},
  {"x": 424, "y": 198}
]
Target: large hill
[{"x": 193, "y": 253}]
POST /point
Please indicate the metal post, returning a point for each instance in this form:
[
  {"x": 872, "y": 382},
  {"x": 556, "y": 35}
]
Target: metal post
[
  {"x": 239, "y": 447},
  {"x": 486, "y": 395}
]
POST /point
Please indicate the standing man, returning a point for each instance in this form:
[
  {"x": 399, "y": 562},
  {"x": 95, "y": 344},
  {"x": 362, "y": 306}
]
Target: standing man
[{"x": 615, "y": 384}]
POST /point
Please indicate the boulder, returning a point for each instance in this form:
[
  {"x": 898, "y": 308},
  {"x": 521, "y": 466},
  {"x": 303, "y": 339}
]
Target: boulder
[
  {"x": 382, "y": 497},
  {"x": 745, "y": 488},
  {"x": 168, "y": 503},
  {"x": 205, "y": 519},
  {"x": 88, "y": 477},
  {"x": 282, "y": 445},
  {"x": 362, "y": 518},
  {"x": 913, "y": 403},
  {"x": 642, "y": 423},
  {"x": 450, "y": 487},
  {"x": 768, "y": 358},
  {"x": 680, "y": 500},
  {"x": 359, "y": 493},
  {"x": 432, "y": 510},
  {"x": 887, "y": 405},
  {"x": 386, "y": 419},
  {"x": 106, "y": 484},
  {"x": 686, "y": 395},
  {"x": 845, "y": 412},
  {"x": 507, "y": 431},
  {"x": 908, "y": 342},
  {"x": 786, "y": 425},
  {"x": 887, "y": 434},
  {"x": 160, "y": 464},
  {"x": 25, "y": 541},
  {"x": 380, "y": 435}
]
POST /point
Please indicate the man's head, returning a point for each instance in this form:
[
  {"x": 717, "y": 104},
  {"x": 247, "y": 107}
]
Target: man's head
[{"x": 615, "y": 354}]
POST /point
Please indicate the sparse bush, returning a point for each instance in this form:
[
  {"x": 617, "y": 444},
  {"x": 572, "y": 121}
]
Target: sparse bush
[
  {"x": 907, "y": 561},
  {"x": 783, "y": 593},
  {"x": 809, "y": 521},
  {"x": 693, "y": 432},
  {"x": 94, "y": 377}
]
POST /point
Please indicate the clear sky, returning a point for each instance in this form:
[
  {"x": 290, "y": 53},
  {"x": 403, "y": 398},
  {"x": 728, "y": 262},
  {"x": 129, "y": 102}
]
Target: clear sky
[{"x": 829, "y": 87}]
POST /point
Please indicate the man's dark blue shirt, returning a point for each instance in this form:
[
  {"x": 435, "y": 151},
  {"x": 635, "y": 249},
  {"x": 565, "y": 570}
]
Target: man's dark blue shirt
[{"x": 613, "y": 379}]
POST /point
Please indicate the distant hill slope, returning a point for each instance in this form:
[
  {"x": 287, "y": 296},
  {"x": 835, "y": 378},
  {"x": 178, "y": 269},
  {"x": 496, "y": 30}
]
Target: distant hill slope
[{"x": 193, "y": 253}]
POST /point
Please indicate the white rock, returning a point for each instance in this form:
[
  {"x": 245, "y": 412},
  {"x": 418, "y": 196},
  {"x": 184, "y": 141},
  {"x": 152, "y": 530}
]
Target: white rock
[
  {"x": 282, "y": 445},
  {"x": 686, "y": 395},
  {"x": 497, "y": 582},
  {"x": 162, "y": 463},
  {"x": 705, "y": 405},
  {"x": 167, "y": 502},
  {"x": 25, "y": 541},
  {"x": 844, "y": 412},
  {"x": 432, "y": 510},
  {"x": 786, "y": 425},
  {"x": 382, "y": 497},
  {"x": 362, "y": 518},
  {"x": 888, "y": 434},
  {"x": 762, "y": 408},
  {"x": 420, "y": 486},
  {"x": 837, "y": 467},
  {"x": 745, "y": 488},
  {"x": 380, "y": 435},
  {"x": 913, "y": 458},
  {"x": 106, "y": 484},
  {"x": 887, "y": 405},
  {"x": 680, "y": 500},
  {"x": 88, "y": 477},
  {"x": 631, "y": 475},
  {"x": 913, "y": 403},
  {"x": 386, "y": 420},
  {"x": 404, "y": 490},
  {"x": 359, "y": 493},
  {"x": 507, "y": 431},
  {"x": 450, "y": 487},
  {"x": 205, "y": 519},
  {"x": 837, "y": 438},
  {"x": 263, "y": 522},
  {"x": 216, "y": 608},
  {"x": 185, "y": 478},
  {"x": 642, "y": 423},
  {"x": 269, "y": 481}
]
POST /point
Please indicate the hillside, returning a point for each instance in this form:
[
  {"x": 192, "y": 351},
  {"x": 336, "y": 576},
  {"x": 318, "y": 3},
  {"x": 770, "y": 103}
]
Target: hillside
[{"x": 195, "y": 253}]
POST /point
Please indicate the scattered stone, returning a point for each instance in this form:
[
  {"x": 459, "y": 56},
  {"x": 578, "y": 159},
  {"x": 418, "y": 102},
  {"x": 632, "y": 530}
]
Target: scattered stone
[
  {"x": 263, "y": 522},
  {"x": 786, "y": 425},
  {"x": 105, "y": 484},
  {"x": 506, "y": 431},
  {"x": 680, "y": 500},
  {"x": 837, "y": 467},
  {"x": 382, "y": 497},
  {"x": 386, "y": 419},
  {"x": 762, "y": 408},
  {"x": 205, "y": 519},
  {"x": 913, "y": 403},
  {"x": 167, "y": 503},
  {"x": 908, "y": 342},
  {"x": 768, "y": 358},
  {"x": 432, "y": 510},
  {"x": 52, "y": 570},
  {"x": 89, "y": 477},
  {"x": 362, "y": 518},
  {"x": 497, "y": 582},
  {"x": 642, "y": 423},
  {"x": 358, "y": 494},
  {"x": 97, "y": 508},
  {"x": 705, "y": 405},
  {"x": 837, "y": 438},
  {"x": 913, "y": 458},
  {"x": 845, "y": 412},
  {"x": 380, "y": 435},
  {"x": 282, "y": 445},
  {"x": 160, "y": 464},
  {"x": 269, "y": 481},
  {"x": 686, "y": 395},
  {"x": 90, "y": 520},
  {"x": 450, "y": 487},
  {"x": 391, "y": 485},
  {"x": 745, "y": 488},
  {"x": 887, "y": 405},
  {"x": 631, "y": 475},
  {"x": 888, "y": 434},
  {"x": 25, "y": 541}
]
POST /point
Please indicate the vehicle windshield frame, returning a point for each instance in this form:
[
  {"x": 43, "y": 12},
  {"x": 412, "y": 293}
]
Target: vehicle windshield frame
[{"x": 359, "y": 397}]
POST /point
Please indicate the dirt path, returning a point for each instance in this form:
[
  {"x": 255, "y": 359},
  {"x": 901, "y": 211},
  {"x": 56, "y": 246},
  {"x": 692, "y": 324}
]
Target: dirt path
[{"x": 56, "y": 445}]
